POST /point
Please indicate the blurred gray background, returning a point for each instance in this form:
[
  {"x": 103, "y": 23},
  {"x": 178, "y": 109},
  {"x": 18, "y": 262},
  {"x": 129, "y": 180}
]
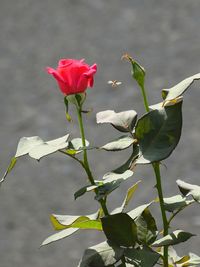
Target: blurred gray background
[{"x": 164, "y": 36}]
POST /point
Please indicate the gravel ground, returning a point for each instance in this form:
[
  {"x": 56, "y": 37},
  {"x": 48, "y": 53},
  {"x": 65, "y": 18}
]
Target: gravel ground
[{"x": 163, "y": 35}]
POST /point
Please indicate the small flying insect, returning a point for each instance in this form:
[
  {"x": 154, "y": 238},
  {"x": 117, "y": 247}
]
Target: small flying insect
[{"x": 114, "y": 83}]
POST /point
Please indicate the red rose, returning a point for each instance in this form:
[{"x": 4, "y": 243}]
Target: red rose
[{"x": 73, "y": 76}]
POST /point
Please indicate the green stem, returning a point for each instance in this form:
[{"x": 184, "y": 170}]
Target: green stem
[
  {"x": 146, "y": 105},
  {"x": 156, "y": 168},
  {"x": 85, "y": 159},
  {"x": 179, "y": 210},
  {"x": 173, "y": 215},
  {"x": 73, "y": 157}
]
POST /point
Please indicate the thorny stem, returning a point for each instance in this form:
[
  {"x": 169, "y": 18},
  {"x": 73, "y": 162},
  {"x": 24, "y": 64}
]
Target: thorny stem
[
  {"x": 102, "y": 201},
  {"x": 85, "y": 159},
  {"x": 156, "y": 168}
]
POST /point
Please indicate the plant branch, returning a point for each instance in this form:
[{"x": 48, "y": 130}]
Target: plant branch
[
  {"x": 73, "y": 157},
  {"x": 144, "y": 95},
  {"x": 178, "y": 211},
  {"x": 156, "y": 168},
  {"x": 85, "y": 159}
]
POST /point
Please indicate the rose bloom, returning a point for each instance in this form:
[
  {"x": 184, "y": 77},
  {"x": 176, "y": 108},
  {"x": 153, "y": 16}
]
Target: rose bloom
[{"x": 73, "y": 76}]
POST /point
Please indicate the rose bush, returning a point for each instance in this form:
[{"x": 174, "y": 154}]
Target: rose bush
[
  {"x": 73, "y": 76},
  {"x": 132, "y": 236}
]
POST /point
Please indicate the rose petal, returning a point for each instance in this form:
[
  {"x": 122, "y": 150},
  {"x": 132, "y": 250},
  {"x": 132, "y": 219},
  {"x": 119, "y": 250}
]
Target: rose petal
[
  {"x": 91, "y": 82},
  {"x": 73, "y": 76},
  {"x": 91, "y": 71},
  {"x": 55, "y": 74},
  {"x": 82, "y": 83},
  {"x": 64, "y": 62}
]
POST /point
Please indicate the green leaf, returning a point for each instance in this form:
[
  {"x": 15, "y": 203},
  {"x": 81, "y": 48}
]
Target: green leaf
[
  {"x": 120, "y": 229},
  {"x": 82, "y": 222},
  {"x": 105, "y": 188},
  {"x": 174, "y": 238},
  {"x": 172, "y": 255},
  {"x": 176, "y": 202},
  {"x": 76, "y": 146},
  {"x": 185, "y": 261},
  {"x": 130, "y": 163},
  {"x": 110, "y": 182},
  {"x": 156, "y": 106},
  {"x": 120, "y": 143},
  {"x": 141, "y": 257},
  {"x": 9, "y": 169},
  {"x": 88, "y": 224},
  {"x": 146, "y": 228},
  {"x": 180, "y": 88},
  {"x": 60, "y": 235},
  {"x": 49, "y": 147},
  {"x": 138, "y": 211},
  {"x": 26, "y": 144},
  {"x": 123, "y": 121},
  {"x": 113, "y": 176},
  {"x": 189, "y": 189},
  {"x": 166, "y": 103},
  {"x": 37, "y": 148},
  {"x": 127, "y": 199},
  {"x": 101, "y": 255},
  {"x": 130, "y": 194},
  {"x": 190, "y": 260},
  {"x": 158, "y": 133},
  {"x": 83, "y": 190}
]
